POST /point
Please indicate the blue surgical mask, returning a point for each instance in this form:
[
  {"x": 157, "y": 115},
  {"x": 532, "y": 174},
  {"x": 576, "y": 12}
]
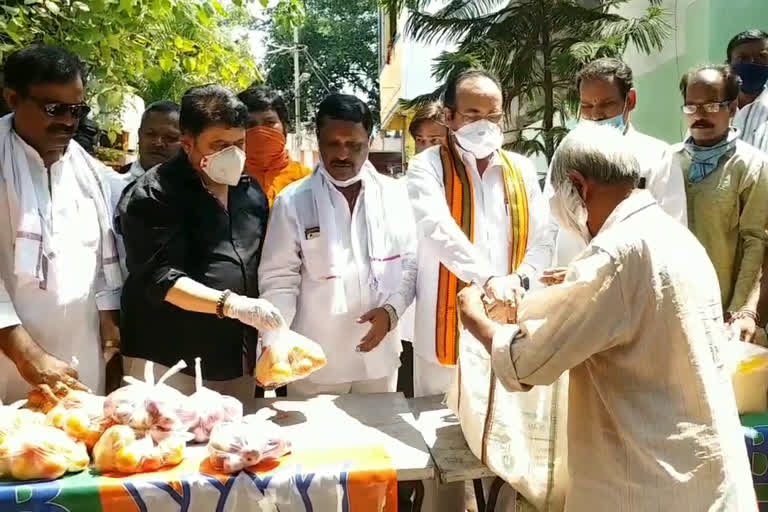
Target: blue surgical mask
[
  {"x": 753, "y": 76},
  {"x": 615, "y": 122}
]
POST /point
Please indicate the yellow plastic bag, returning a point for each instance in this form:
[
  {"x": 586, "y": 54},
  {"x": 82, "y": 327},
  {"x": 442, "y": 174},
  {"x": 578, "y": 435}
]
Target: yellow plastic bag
[
  {"x": 286, "y": 356},
  {"x": 749, "y": 374},
  {"x": 41, "y": 452}
]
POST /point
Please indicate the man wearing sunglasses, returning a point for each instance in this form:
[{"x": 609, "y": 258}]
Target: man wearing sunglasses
[
  {"x": 726, "y": 182},
  {"x": 59, "y": 276}
]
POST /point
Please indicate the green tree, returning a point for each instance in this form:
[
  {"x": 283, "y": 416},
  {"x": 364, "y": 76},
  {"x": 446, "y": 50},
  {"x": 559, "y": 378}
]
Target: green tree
[
  {"x": 155, "y": 48},
  {"x": 536, "y": 47},
  {"x": 339, "y": 50}
]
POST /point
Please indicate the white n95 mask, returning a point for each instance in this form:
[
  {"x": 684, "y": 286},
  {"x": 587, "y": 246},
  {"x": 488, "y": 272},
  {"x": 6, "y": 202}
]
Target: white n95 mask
[
  {"x": 570, "y": 212},
  {"x": 480, "y": 138},
  {"x": 225, "y": 166}
]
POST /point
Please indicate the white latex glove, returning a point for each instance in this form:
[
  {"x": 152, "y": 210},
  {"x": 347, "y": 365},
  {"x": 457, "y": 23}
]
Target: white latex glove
[
  {"x": 258, "y": 313},
  {"x": 505, "y": 288}
]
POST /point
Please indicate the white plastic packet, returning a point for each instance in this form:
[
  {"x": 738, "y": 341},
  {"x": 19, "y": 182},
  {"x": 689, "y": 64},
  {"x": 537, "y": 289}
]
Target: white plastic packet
[
  {"x": 286, "y": 356},
  {"x": 154, "y": 407},
  {"x": 124, "y": 450},
  {"x": 241, "y": 444},
  {"x": 212, "y": 407},
  {"x": 39, "y": 452}
]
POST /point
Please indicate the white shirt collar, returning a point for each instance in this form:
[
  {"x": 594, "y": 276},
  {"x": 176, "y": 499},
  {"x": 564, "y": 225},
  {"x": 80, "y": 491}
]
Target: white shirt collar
[{"x": 136, "y": 170}]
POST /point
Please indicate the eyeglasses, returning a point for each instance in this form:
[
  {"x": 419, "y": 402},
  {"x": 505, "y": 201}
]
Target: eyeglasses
[
  {"x": 76, "y": 110},
  {"x": 710, "y": 108},
  {"x": 494, "y": 117}
]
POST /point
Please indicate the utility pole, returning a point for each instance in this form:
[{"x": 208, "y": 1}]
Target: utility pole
[{"x": 297, "y": 91}]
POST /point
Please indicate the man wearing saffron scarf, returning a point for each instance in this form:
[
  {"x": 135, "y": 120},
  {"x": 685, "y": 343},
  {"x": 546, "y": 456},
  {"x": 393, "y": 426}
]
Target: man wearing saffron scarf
[
  {"x": 726, "y": 183},
  {"x": 480, "y": 218},
  {"x": 480, "y": 214},
  {"x": 267, "y": 160}
]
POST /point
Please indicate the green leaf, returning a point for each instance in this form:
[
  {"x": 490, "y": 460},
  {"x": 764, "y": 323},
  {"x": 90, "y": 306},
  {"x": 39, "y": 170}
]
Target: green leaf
[
  {"x": 51, "y": 6},
  {"x": 190, "y": 64},
  {"x": 264, "y": 3},
  {"x": 31, "y": 2},
  {"x": 166, "y": 61},
  {"x": 81, "y": 6},
  {"x": 154, "y": 74},
  {"x": 220, "y": 9}
]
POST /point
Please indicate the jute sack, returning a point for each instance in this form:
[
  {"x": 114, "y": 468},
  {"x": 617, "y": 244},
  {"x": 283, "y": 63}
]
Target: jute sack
[{"x": 520, "y": 436}]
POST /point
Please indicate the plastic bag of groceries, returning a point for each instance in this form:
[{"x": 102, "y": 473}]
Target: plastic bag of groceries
[
  {"x": 13, "y": 418},
  {"x": 151, "y": 406},
  {"x": 212, "y": 407},
  {"x": 235, "y": 445},
  {"x": 81, "y": 416},
  {"x": 40, "y": 452},
  {"x": 748, "y": 366},
  {"x": 286, "y": 356},
  {"x": 122, "y": 449},
  {"x": 520, "y": 436}
]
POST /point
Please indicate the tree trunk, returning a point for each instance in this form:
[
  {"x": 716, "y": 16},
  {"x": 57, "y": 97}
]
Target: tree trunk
[{"x": 549, "y": 92}]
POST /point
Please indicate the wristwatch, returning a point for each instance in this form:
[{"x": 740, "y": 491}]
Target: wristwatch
[
  {"x": 393, "y": 319},
  {"x": 525, "y": 282}
]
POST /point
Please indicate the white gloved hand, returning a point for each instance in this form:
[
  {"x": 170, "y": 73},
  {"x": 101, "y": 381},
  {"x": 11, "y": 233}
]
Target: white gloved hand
[
  {"x": 505, "y": 288},
  {"x": 258, "y": 313}
]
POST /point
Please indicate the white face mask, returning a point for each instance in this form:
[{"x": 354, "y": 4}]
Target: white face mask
[
  {"x": 341, "y": 184},
  {"x": 570, "y": 212},
  {"x": 480, "y": 138},
  {"x": 225, "y": 166}
]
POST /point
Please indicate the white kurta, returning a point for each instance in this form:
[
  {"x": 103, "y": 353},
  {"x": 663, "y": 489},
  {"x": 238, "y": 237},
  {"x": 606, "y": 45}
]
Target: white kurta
[
  {"x": 441, "y": 240},
  {"x": 752, "y": 122},
  {"x": 64, "y": 318},
  {"x": 293, "y": 276},
  {"x": 652, "y": 420},
  {"x": 117, "y": 183},
  {"x": 666, "y": 187}
]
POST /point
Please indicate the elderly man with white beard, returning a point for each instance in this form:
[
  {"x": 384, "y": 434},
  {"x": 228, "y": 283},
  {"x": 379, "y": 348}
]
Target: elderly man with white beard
[{"x": 652, "y": 418}]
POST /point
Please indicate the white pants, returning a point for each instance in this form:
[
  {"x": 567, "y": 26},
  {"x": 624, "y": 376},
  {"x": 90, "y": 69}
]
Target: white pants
[
  {"x": 430, "y": 378},
  {"x": 241, "y": 388},
  {"x": 303, "y": 388}
]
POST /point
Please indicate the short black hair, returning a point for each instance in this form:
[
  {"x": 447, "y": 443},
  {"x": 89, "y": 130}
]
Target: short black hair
[
  {"x": 747, "y": 36},
  {"x": 161, "y": 107},
  {"x": 208, "y": 105},
  {"x": 344, "y": 107},
  {"x": 260, "y": 98},
  {"x": 606, "y": 68},
  {"x": 731, "y": 79},
  {"x": 454, "y": 81},
  {"x": 41, "y": 64}
]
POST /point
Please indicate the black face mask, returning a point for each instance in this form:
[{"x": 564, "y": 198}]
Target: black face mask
[{"x": 753, "y": 77}]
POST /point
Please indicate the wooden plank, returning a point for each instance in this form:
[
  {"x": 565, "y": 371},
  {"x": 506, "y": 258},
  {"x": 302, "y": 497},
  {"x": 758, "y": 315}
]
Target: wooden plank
[
  {"x": 345, "y": 421},
  {"x": 442, "y": 433}
]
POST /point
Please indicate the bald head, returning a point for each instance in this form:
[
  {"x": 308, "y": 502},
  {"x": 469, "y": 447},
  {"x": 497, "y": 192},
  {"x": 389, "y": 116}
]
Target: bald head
[{"x": 472, "y": 96}]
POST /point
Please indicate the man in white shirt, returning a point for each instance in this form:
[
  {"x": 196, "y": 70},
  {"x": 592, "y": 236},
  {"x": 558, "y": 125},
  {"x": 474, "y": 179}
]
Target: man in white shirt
[
  {"x": 608, "y": 97},
  {"x": 339, "y": 258},
  {"x": 59, "y": 275},
  {"x": 652, "y": 419},
  {"x": 748, "y": 57},
  {"x": 468, "y": 229}
]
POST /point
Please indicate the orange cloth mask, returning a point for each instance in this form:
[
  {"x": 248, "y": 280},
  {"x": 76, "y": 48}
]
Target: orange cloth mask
[{"x": 265, "y": 151}]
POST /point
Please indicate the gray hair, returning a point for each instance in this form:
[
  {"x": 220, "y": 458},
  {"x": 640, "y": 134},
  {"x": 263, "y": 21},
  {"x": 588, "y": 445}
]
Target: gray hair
[{"x": 597, "y": 152}]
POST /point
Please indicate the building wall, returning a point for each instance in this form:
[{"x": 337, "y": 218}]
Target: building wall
[{"x": 702, "y": 29}]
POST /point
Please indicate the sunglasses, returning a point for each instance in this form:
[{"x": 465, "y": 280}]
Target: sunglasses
[{"x": 76, "y": 110}]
